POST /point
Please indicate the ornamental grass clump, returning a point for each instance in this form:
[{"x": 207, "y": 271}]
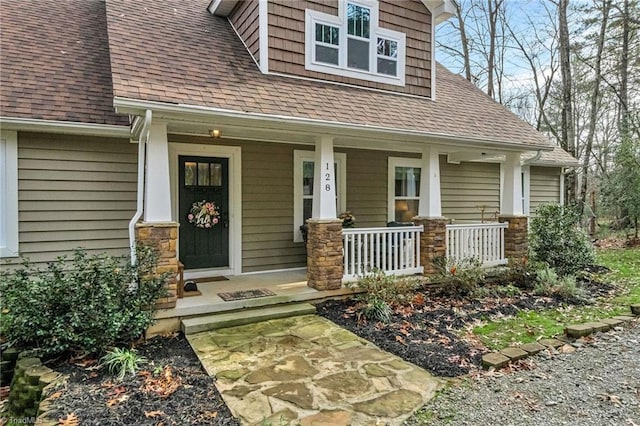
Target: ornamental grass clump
[
  {"x": 121, "y": 362},
  {"x": 85, "y": 305}
]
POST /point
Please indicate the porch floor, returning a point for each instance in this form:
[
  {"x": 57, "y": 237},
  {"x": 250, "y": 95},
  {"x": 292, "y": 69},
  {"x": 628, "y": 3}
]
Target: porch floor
[{"x": 289, "y": 286}]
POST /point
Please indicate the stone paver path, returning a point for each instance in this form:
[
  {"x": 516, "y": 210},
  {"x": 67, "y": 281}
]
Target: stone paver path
[{"x": 306, "y": 370}]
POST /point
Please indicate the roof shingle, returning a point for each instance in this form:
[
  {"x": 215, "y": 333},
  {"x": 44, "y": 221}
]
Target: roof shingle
[{"x": 55, "y": 62}]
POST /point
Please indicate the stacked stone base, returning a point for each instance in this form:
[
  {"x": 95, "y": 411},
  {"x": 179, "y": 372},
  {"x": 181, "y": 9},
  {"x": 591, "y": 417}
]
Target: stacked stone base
[
  {"x": 163, "y": 238},
  {"x": 515, "y": 236},
  {"x": 432, "y": 241},
  {"x": 324, "y": 254}
]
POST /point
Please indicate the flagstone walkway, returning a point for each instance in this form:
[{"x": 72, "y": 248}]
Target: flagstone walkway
[{"x": 306, "y": 370}]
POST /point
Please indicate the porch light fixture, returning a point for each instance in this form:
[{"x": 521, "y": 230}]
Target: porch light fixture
[{"x": 215, "y": 133}]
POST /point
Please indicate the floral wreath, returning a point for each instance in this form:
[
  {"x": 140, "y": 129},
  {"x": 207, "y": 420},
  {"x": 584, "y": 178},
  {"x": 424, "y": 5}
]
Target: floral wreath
[{"x": 204, "y": 214}]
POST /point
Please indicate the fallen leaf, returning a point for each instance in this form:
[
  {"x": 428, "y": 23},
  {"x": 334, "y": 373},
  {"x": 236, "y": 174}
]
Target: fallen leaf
[
  {"x": 210, "y": 414},
  {"x": 55, "y": 395},
  {"x": 69, "y": 420},
  {"x": 117, "y": 400},
  {"x": 401, "y": 340},
  {"x": 151, "y": 414}
]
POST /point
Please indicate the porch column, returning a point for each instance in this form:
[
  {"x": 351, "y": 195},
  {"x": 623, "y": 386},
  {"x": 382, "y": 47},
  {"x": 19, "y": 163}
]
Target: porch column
[
  {"x": 432, "y": 239},
  {"x": 158, "y": 230},
  {"x": 515, "y": 236},
  {"x": 324, "y": 237}
]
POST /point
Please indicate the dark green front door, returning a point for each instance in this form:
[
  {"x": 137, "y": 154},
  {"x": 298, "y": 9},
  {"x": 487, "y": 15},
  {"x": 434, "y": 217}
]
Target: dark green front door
[{"x": 204, "y": 179}]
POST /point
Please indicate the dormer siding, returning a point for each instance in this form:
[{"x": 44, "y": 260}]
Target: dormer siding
[{"x": 245, "y": 20}]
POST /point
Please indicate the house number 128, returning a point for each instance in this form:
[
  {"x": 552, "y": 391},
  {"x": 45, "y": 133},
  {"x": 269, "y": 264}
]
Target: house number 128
[{"x": 327, "y": 178}]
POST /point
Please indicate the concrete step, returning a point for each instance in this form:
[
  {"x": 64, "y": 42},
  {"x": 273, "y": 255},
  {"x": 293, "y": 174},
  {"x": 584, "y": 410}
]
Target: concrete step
[{"x": 246, "y": 316}]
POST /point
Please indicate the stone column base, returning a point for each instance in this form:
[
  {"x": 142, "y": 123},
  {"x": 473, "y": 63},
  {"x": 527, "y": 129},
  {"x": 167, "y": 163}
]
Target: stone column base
[
  {"x": 324, "y": 254},
  {"x": 433, "y": 242},
  {"x": 163, "y": 238},
  {"x": 516, "y": 242}
]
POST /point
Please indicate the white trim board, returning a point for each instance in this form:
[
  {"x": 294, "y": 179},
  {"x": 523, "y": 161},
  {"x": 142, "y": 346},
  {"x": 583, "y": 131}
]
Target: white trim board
[
  {"x": 8, "y": 193},
  {"x": 234, "y": 154},
  {"x": 67, "y": 127}
]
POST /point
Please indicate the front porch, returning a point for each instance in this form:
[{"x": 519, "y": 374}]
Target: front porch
[{"x": 289, "y": 286}]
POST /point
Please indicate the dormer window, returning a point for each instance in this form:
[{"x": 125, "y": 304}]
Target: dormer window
[{"x": 352, "y": 45}]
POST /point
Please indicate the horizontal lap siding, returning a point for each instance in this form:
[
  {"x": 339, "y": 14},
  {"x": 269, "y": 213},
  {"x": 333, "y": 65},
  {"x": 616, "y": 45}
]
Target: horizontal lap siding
[
  {"x": 245, "y": 19},
  {"x": 367, "y": 183},
  {"x": 287, "y": 38},
  {"x": 74, "y": 191},
  {"x": 467, "y": 186},
  {"x": 544, "y": 186},
  {"x": 267, "y": 204}
]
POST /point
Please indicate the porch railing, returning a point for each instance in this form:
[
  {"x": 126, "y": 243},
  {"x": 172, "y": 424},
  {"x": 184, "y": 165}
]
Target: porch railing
[
  {"x": 484, "y": 242},
  {"x": 396, "y": 251}
]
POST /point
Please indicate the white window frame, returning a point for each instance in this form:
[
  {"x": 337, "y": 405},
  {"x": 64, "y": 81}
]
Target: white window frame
[
  {"x": 394, "y": 162},
  {"x": 312, "y": 17},
  {"x": 8, "y": 193},
  {"x": 299, "y": 157}
]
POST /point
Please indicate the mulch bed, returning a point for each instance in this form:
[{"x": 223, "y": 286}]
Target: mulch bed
[
  {"x": 172, "y": 389},
  {"x": 429, "y": 331}
]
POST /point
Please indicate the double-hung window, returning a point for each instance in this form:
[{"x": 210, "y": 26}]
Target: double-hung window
[
  {"x": 303, "y": 176},
  {"x": 352, "y": 45},
  {"x": 403, "y": 188}
]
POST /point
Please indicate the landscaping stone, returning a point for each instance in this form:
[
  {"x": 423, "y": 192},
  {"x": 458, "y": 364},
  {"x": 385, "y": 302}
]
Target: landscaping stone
[
  {"x": 514, "y": 353},
  {"x": 635, "y": 309},
  {"x": 598, "y": 326},
  {"x": 551, "y": 343},
  {"x": 578, "y": 330},
  {"x": 612, "y": 322},
  {"x": 495, "y": 360},
  {"x": 624, "y": 318},
  {"x": 532, "y": 348},
  {"x": 307, "y": 370}
]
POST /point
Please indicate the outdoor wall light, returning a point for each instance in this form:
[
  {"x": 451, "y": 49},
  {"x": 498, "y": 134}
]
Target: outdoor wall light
[{"x": 215, "y": 133}]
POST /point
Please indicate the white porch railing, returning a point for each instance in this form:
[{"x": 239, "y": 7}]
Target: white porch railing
[
  {"x": 396, "y": 251},
  {"x": 483, "y": 241}
]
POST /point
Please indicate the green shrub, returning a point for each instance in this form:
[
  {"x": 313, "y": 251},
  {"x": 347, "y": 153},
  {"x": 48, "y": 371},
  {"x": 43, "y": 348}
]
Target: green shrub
[
  {"x": 381, "y": 292},
  {"x": 460, "y": 277},
  {"x": 88, "y": 305},
  {"x": 548, "y": 283},
  {"x": 122, "y": 361},
  {"x": 556, "y": 239}
]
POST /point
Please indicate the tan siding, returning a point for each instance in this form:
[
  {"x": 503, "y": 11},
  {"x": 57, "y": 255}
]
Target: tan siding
[
  {"x": 267, "y": 205},
  {"x": 367, "y": 183},
  {"x": 467, "y": 186},
  {"x": 544, "y": 184},
  {"x": 73, "y": 192},
  {"x": 245, "y": 19},
  {"x": 286, "y": 41}
]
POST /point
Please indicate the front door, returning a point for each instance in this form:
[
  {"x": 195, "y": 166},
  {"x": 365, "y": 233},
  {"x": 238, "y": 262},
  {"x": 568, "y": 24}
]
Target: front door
[{"x": 204, "y": 179}]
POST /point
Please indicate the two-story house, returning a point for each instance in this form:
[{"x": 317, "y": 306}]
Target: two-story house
[{"x": 118, "y": 116}]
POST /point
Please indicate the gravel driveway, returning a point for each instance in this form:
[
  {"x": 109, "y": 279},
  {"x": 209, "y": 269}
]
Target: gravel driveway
[{"x": 598, "y": 384}]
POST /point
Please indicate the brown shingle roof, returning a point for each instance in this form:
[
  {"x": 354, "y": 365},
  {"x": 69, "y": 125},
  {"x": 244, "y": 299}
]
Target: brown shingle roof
[
  {"x": 55, "y": 61},
  {"x": 175, "y": 51}
]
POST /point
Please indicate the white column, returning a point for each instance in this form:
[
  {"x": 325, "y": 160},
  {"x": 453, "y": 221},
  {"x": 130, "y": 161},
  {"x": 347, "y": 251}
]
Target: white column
[
  {"x": 430, "y": 204},
  {"x": 512, "y": 186},
  {"x": 324, "y": 180},
  {"x": 157, "y": 206}
]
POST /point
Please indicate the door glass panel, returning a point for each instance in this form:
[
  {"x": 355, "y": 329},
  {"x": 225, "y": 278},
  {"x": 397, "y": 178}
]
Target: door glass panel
[
  {"x": 307, "y": 209},
  {"x": 189, "y": 173},
  {"x": 203, "y": 174},
  {"x": 215, "y": 170}
]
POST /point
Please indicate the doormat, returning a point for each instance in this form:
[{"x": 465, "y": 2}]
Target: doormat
[
  {"x": 209, "y": 279},
  {"x": 246, "y": 294}
]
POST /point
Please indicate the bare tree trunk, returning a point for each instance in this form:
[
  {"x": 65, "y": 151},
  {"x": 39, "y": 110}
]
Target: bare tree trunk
[
  {"x": 595, "y": 102},
  {"x": 568, "y": 139},
  {"x": 493, "y": 16},
  {"x": 624, "y": 74},
  {"x": 464, "y": 41}
]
